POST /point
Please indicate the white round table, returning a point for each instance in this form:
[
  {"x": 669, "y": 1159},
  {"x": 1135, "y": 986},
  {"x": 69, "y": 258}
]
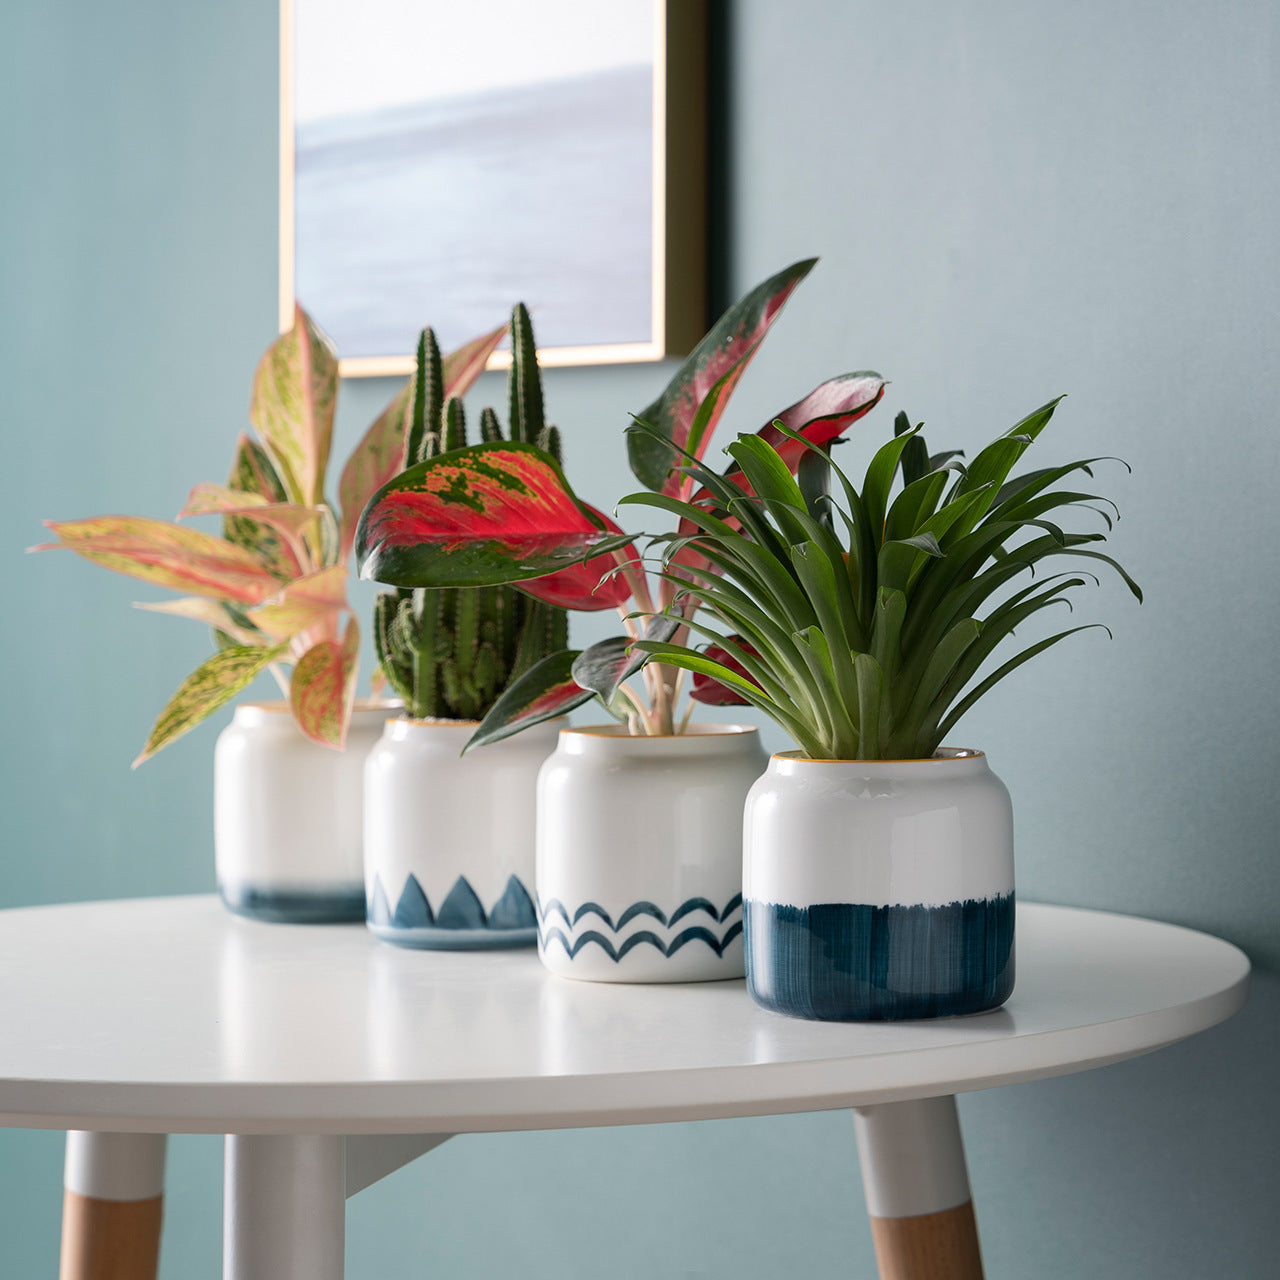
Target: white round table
[{"x": 330, "y": 1059}]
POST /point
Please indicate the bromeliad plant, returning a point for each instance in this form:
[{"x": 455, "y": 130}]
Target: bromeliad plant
[
  {"x": 860, "y": 623},
  {"x": 450, "y": 652},
  {"x": 502, "y": 512},
  {"x": 273, "y": 586}
]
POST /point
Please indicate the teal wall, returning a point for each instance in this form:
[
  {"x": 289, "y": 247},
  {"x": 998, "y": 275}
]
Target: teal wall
[{"x": 1010, "y": 201}]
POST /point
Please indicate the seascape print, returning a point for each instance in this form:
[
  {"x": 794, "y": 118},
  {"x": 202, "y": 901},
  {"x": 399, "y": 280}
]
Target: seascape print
[{"x": 453, "y": 159}]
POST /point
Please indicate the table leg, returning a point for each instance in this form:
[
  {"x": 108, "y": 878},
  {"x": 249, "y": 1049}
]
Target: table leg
[
  {"x": 917, "y": 1188},
  {"x": 284, "y": 1208},
  {"x": 111, "y": 1207}
]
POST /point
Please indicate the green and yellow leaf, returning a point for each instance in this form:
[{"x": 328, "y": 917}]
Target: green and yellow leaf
[{"x": 208, "y": 687}]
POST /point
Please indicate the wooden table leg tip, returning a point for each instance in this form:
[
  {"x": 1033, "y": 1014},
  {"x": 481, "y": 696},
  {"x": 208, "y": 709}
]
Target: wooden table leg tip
[
  {"x": 110, "y": 1239},
  {"x": 933, "y": 1246}
]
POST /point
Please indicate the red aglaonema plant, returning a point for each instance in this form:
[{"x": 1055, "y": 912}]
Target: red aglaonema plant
[
  {"x": 504, "y": 513},
  {"x": 273, "y": 586}
]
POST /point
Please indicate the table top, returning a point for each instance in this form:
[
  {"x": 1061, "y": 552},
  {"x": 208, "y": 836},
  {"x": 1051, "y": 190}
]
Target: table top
[{"x": 170, "y": 1015}]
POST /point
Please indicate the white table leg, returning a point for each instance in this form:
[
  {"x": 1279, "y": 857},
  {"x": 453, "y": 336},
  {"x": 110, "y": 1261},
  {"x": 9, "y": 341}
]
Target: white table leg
[
  {"x": 284, "y": 1208},
  {"x": 112, "y": 1206},
  {"x": 917, "y": 1188}
]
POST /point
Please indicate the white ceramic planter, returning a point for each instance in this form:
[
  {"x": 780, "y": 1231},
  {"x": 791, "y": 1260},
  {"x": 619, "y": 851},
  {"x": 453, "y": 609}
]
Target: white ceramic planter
[
  {"x": 287, "y": 815},
  {"x": 449, "y": 839},
  {"x": 640, "y": 853},
  {"x": 879, "y": 889}
]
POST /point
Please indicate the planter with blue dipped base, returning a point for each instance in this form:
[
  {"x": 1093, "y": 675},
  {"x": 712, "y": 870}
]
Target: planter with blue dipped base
[{"x": 879, "y": 889}]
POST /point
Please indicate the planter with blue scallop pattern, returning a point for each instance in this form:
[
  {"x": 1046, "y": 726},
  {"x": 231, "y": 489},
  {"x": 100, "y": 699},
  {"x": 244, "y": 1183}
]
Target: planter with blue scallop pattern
[
  {"x": 640, "y": 853},
  {"x": 449, "y": 839},
  {"x": 879, "y": 889}
]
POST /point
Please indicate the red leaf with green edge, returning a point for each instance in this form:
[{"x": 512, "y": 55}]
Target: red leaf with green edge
[
  {"x": 211, "y": 684},
  {"x": 720, "y": 358},
  {"x": 824, "y": 415},
  {"x": 591, "y": 585},
  {"x": 545, "y": 691},
  {"x": 380, "y": 454},
  {"x": 323, "y": 688},
  {"x": 169, "y": 555},
  {"x": 295, "y": 392},
  {"x": 481, "y": 516},
  {"x": 715, "y": 693},
  {"x": 821, "y": 417},
  {"x": 309, "y": 602}
]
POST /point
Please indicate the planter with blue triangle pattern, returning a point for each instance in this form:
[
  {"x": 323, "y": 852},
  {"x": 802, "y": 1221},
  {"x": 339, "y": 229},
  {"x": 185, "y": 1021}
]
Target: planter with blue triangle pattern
[{"x": 449, "y": 839}]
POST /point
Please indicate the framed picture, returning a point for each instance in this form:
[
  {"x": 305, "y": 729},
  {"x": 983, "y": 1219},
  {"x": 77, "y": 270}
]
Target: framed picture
[{"x": 440, "y": 162}]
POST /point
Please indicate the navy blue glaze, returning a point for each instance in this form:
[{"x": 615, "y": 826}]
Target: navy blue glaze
[
  {"x": 319, "y": 906},
  {"x": 850, "y": 962},
  {"x": 461, "y": 920}
]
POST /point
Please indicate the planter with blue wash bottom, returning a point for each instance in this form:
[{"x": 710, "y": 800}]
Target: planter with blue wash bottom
[{"x": 879, "y": 889}]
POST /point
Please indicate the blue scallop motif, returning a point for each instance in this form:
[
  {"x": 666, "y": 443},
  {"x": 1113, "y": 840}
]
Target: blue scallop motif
[
  {"x": 550, "y": 933},
  {"x": 641, "y": 909}
]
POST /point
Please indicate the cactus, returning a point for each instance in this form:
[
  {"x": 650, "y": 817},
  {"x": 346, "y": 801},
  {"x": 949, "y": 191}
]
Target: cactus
[{"x": 450, "y": 653}]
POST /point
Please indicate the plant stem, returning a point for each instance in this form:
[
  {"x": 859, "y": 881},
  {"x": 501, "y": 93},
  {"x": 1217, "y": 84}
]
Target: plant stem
[
  {"x": 639, "y": 711},
  {"x": 281, "y": 679}
]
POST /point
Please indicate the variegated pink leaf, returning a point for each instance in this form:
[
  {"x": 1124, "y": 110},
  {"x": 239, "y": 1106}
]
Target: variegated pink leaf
[
  {"x": 716, "y": 365},
  {"x": 462, "y": 367},
  {"x": 295, "y": 392},
  {"x": 292, "y": 522},
  {"x": 169, "y": 555},
  {"x": 252, "y": 471},
  {"x": 380, "y": 454},
  {"x": 323, "y": 688},
  {"x": 309, "y": 602},
  {"x": 213, "y": 613}
]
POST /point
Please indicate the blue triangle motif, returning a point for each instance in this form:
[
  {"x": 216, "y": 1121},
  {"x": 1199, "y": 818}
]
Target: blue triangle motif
[
  {"x": 413, "y": 911},
  {"x": 514, "y": 910},
  {"x": 460, "y": 910},
  {"x": 379, "y": 907}
]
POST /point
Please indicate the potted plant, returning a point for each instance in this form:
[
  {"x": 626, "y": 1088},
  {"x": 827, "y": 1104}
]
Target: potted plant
[
  {"x": 638, "y": 830},
  {"x": 272, "y": 587},
  {"x": 878, "y": 863},
  {"x": 449, "y": 839}
]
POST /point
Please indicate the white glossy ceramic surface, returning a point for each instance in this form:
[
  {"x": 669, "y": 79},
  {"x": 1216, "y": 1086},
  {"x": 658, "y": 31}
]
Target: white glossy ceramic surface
[
  {"x": 288, "y": 812},
  {"x": 878, "y": 832},
  {"x": 114, "y": 1017},
  {"x": 458, "y": 825},
  {"x": 640, "y": 853}
]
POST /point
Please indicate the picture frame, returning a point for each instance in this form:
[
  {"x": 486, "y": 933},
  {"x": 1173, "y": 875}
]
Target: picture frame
[{"x": 677, "y": 298}]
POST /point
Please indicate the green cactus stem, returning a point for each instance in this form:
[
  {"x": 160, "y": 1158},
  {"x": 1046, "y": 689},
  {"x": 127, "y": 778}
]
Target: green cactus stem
[{"x": 450, "y": 653}]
